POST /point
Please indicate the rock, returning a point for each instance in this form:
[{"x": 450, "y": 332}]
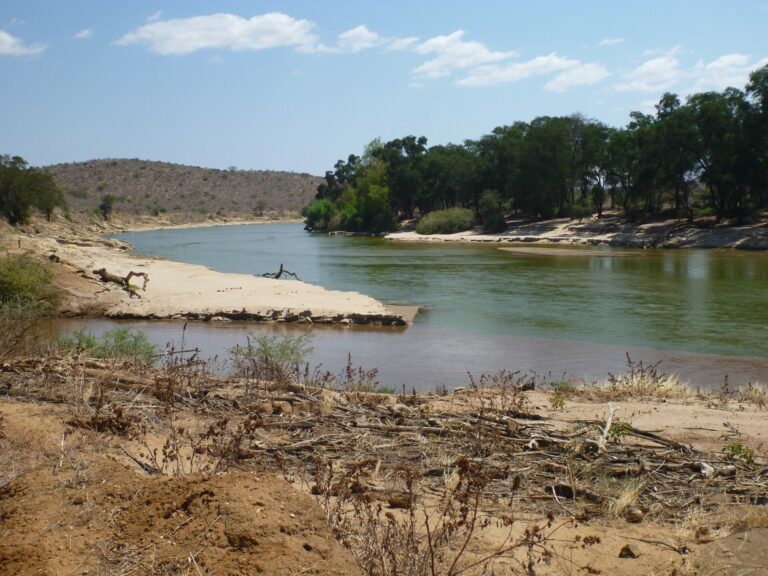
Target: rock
[
  {"x": 634, "y": 515},
  {"x": 627, "y": 552}
]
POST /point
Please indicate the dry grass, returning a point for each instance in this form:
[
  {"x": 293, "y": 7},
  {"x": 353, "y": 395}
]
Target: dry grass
[
  {"x": 639, "y": 382},
  {"x": 627, "y": 498},
  {"x": 754, "y": 393}
]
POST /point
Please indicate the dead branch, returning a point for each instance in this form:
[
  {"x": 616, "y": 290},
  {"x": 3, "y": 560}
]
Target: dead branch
[{"x": 277, "y": 275}]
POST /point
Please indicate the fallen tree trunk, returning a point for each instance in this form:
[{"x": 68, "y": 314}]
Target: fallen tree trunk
[{"x": 124, "y": 281}]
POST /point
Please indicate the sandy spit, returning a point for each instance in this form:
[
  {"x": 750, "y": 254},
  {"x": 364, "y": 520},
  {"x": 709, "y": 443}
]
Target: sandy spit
[{"x": 178, "y": 290}]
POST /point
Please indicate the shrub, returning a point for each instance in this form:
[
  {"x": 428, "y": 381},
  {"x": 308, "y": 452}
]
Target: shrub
[
  {"x": 25, "y": 281},
  {"x": 18, "y": 333},
  {"x": 27, "y": 294},
  {"x": 319, "y": 214},
  {"x": 118, "y": 344},
  {"x": 576, "y": 211},
  {"x": 491, "y": 212},
  {"x": 271, "y": 357},
  {"x": 446, "y": 221}
]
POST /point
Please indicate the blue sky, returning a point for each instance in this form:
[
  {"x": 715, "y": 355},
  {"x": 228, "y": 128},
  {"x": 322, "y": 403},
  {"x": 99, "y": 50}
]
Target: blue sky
[{"x": 296, "y": 85}]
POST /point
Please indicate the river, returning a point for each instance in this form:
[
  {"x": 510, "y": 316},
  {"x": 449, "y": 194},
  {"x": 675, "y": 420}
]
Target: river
[{"x": 702, "y": 313}]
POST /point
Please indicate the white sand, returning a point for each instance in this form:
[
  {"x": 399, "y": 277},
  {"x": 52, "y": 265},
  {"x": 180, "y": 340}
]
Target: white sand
[{"x": 179, "y": 290}]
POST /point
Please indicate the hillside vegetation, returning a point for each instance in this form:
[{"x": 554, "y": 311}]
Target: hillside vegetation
[{"x": 141, "y": 187}]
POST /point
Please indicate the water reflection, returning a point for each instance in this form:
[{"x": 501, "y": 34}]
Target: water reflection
[{"x": 427, "y": 358}]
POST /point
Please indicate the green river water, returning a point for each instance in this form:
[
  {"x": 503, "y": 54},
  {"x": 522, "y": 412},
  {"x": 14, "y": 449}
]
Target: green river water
[{"x": 703, "y": 313}]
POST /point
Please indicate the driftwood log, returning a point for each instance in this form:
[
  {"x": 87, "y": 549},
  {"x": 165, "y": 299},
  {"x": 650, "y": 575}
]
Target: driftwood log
[
  {"x": 124, "y": 281},
  {"x": 277, "y": 275}
]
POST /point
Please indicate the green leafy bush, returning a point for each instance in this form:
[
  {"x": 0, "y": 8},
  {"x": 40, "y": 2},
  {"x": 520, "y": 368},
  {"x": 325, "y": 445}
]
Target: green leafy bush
[
  {"x": 319, "y": 215},
  {"x": 271, "y": 357},
  {"x": 446, "y": 221},
  {"x": 25, "y": 281},
  {"x": 491, "y": 212},
  {"x": 119, "y": 344}
]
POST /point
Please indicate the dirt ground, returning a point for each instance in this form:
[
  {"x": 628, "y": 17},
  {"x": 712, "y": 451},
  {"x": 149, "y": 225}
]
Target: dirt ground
[
  {"x": 81, "y": 494},
  {"x": 70, "y": 504}
]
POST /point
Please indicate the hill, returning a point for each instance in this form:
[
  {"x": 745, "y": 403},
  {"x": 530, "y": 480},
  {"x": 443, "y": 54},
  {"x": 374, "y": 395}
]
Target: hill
[{"x": 142, "y": 186}]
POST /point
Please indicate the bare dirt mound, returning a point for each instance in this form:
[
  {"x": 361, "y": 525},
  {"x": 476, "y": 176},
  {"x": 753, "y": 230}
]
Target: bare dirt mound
[{"x": 65, "y": 511}]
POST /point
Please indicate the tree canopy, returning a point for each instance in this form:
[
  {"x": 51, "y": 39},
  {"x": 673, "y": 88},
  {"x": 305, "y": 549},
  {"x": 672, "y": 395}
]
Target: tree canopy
[
  {"x": 707, "y": 154},
  {"x": 23, "y": 187}
]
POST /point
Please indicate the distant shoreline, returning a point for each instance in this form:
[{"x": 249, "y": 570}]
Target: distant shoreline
[{"x": 610, "y": 232}]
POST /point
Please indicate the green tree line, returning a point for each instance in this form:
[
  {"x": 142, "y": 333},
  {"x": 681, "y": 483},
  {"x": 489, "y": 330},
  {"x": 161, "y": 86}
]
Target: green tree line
[
  {"x": 23, "y": 188},
  {"x": 709, "y": 153}
]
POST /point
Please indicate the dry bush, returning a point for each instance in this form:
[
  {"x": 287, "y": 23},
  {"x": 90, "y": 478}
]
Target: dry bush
[
  {"x": 420, "y": 536},
  {"x": 754, "y": 393},
  {"x": 19, "y": 331},
  {"x": 639, "y": 381},
  {"x": 106, "y": 416},
  {"x": 502, "y": 392}
]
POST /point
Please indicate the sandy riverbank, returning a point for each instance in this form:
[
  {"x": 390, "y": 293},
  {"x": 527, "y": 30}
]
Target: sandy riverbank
[
  {"x": 177, "y": 290},
  {"x": 146, "y": 224},
  {"x": 611, "y": 232}
]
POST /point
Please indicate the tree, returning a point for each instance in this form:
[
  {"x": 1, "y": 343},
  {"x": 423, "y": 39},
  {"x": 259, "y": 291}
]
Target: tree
[
  {"x": 723, "y": 151},
  {"x": 571, "y": 166},
  {"x": 44, "y": 193},
  {"x": 449, "y": 177},
  {"x": 545, "y": 176},
  {"x": 22, "y": 188},
  {"x": 757, "y": 128},
  {"x": 369, "y": 207},
  {"x": 404, "y": 160},
  {"x": 491, "y": 212},
  {"x": 14, "y": 201},
  {"x": 107, "y": 205},
  {"x": 319, "y": 215}
]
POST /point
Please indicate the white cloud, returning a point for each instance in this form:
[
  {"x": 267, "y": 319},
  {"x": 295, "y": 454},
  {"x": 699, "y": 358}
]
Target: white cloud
[
  {"x": 359, "y": 38},
  {"x": 495, "y": 74},
  {"x": 225, "y": 31},
  {"x": 666, "y": 73},
  {"x": 581, "y": 75},
  {"x": 676, "y": 49},
  {"x": 155, "y": 17},
  {"x": 84, "y": 34},
  {"x": 13, "y": 46},
  {"x": 452, "y": 53},
  {"x": 398, "y": 44},
  {"x": 728, "y": 70},
  {"x": 655, "y": 75},
  {"x": 611, "y": 41}
]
